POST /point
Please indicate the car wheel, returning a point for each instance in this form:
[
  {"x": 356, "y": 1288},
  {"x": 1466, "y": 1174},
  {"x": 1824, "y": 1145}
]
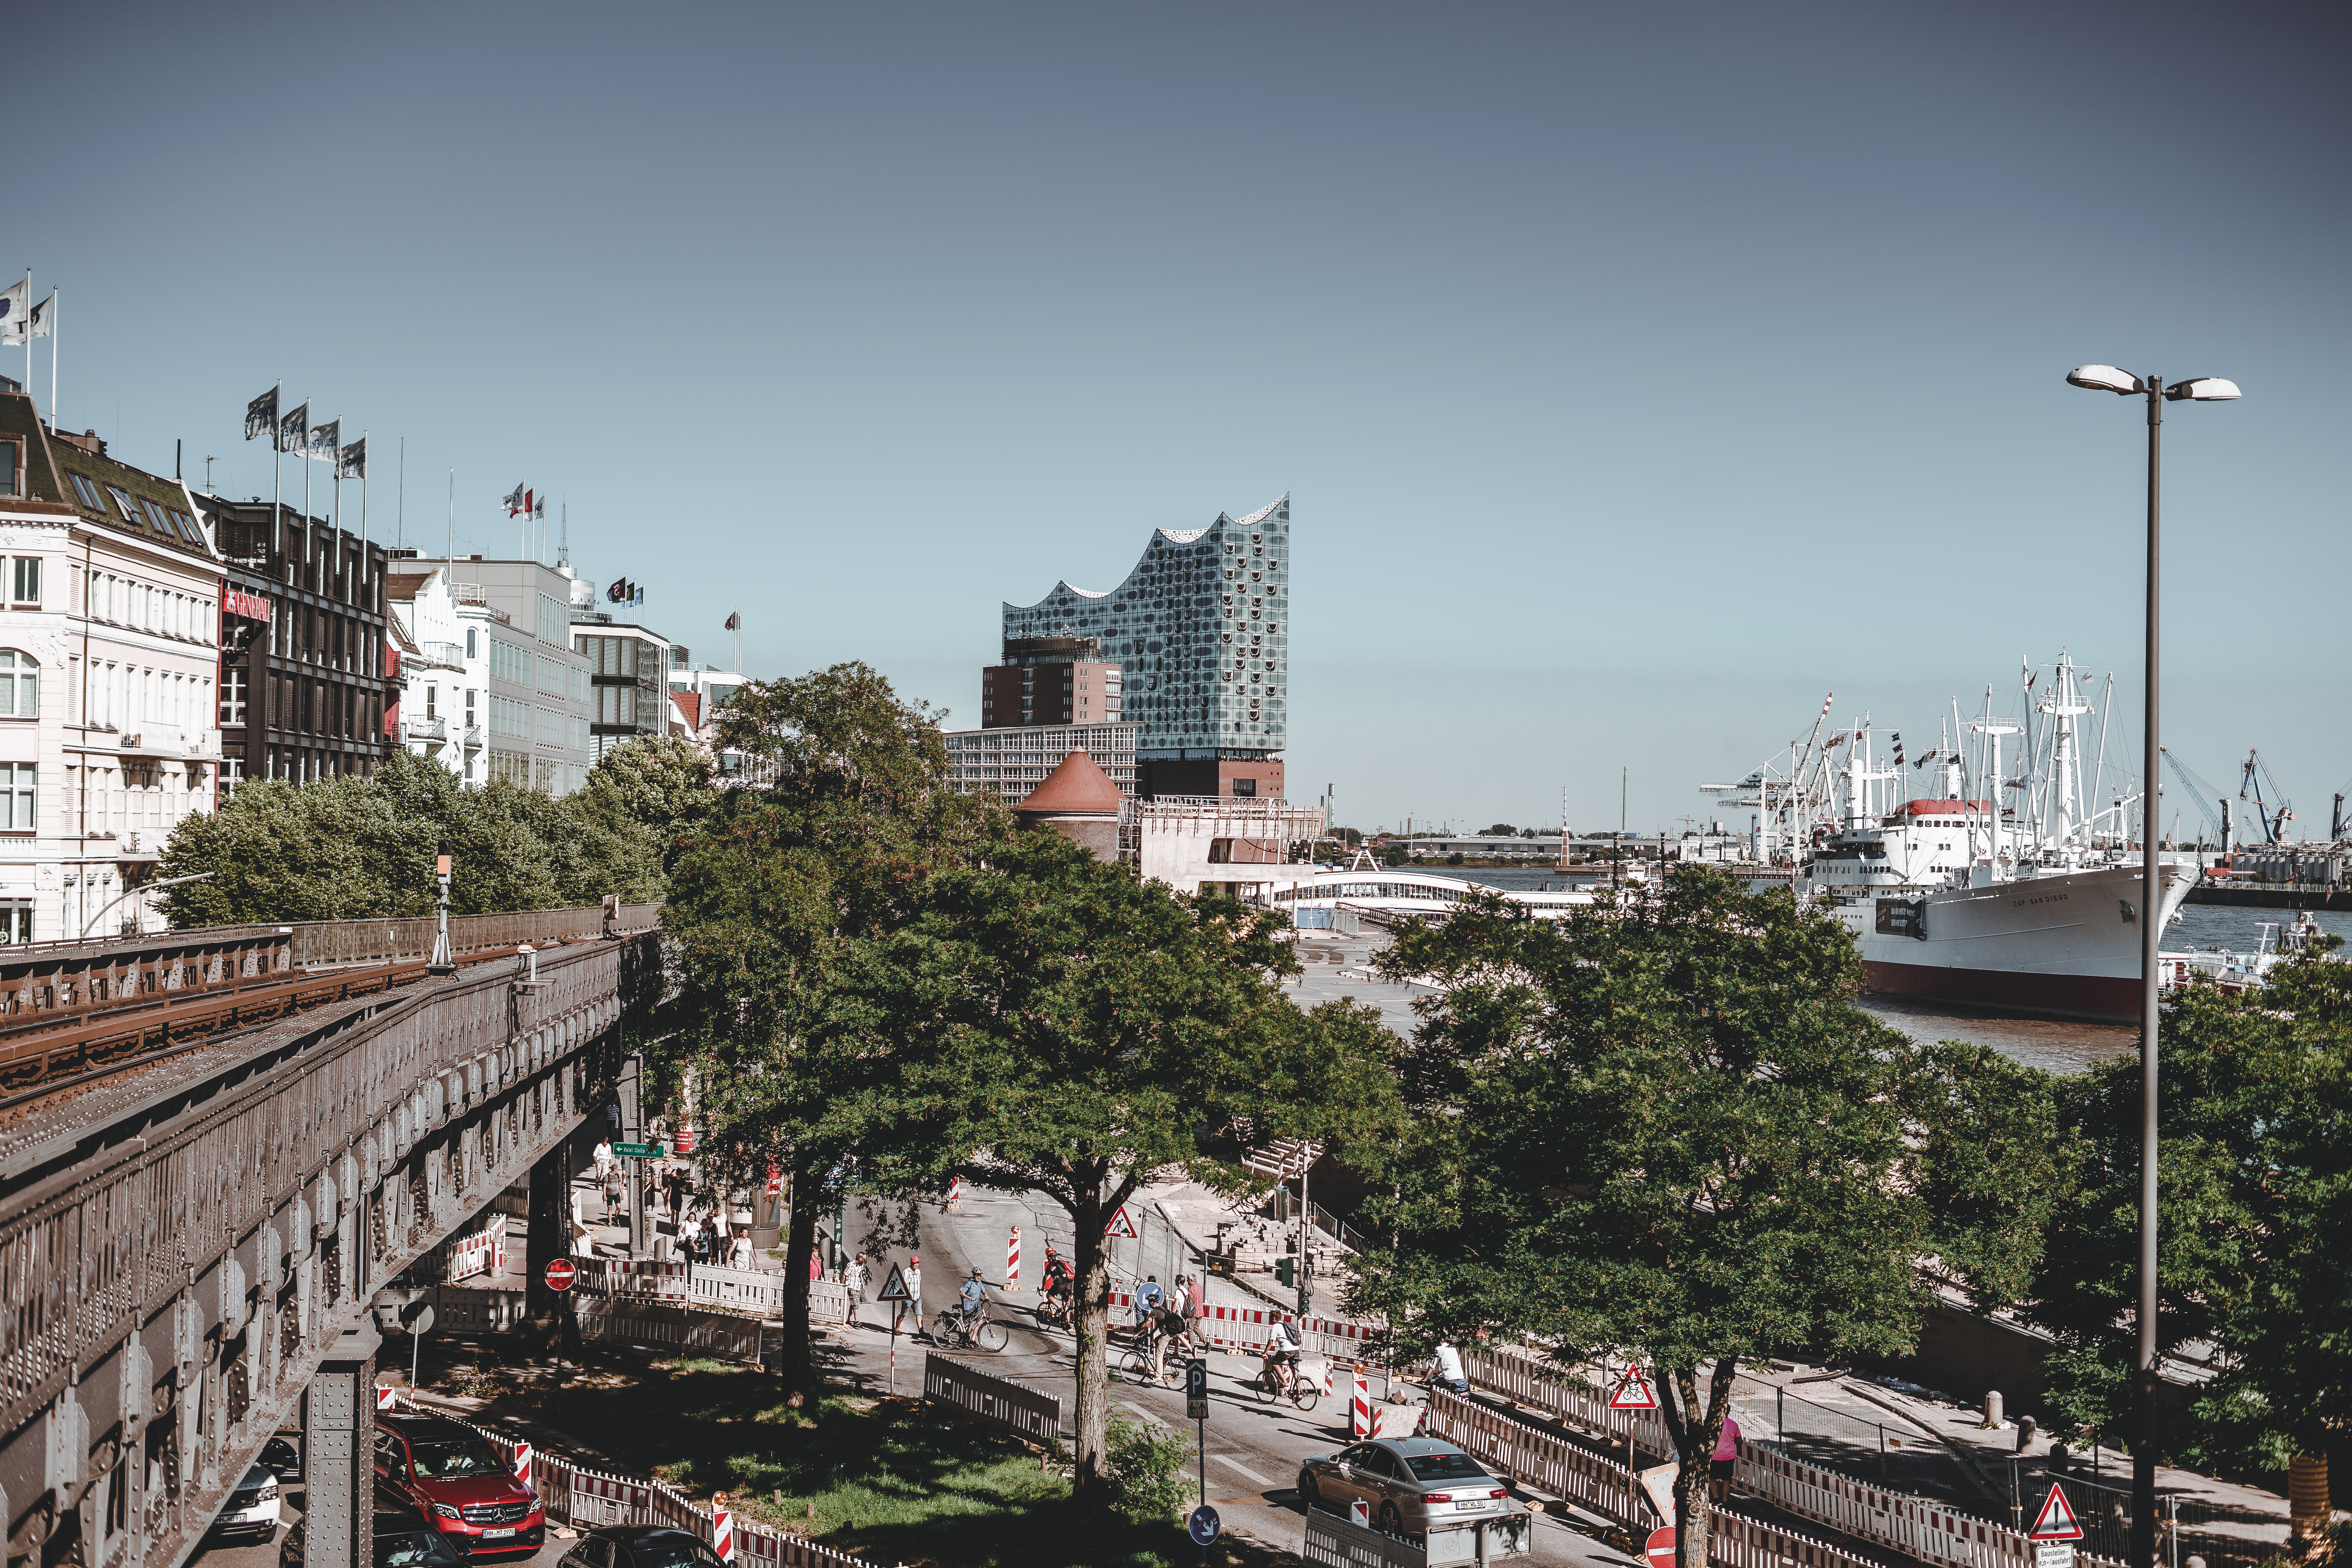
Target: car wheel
[
  {"x": 1308, "y": 1491},
  {"x": 1390, "y": 1520}
]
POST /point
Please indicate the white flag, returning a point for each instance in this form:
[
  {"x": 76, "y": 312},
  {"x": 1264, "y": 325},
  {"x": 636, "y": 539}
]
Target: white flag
[{"x": 16, "y": 304}]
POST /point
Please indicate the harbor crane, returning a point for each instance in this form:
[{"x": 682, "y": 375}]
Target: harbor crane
[
  {"x": 2207, "y": 797},
  {"x": 2274, "y": 812}
]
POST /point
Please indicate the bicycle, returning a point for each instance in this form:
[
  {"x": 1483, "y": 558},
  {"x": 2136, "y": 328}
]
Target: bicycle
[
  {"x": 972, "y": 1331},
  {"x": 1054, "y": 1312},
  {"x": 1275, "y": 1380},
  {"x": 1138, "y": 1361}
]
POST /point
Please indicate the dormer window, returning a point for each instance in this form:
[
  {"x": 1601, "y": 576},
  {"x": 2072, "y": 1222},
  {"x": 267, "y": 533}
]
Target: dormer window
[
  {"x": 87, "y": 491},
  {"x": 122, "y": 498}
]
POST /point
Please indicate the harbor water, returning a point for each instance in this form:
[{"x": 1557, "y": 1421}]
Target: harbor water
[{"x": 2055, "y": 1045}]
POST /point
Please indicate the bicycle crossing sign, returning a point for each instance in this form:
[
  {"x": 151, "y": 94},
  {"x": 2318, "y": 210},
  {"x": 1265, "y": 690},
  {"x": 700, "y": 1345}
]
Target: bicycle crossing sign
[
  {"x": 895, "y": 1288},
  {"x": 1123, "y": 1224},
  {"x": 2056, "y": 1522},
  {"x": 1634, "y": 1393}
]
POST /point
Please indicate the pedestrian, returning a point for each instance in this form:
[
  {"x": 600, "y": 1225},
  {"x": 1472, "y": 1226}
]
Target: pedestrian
[
  {"x": 855, "y": 1277},
  {"x": 914, "y": 1290},
  {"x": 1449, "y": 1368},
  {"x": 612, "y": 1185},
  {"x": 1726, "y": 1460},
  {"x": 709, "y": 1239},
  {"x": 602, "y": 1158},
  {"x": 1188, "y": 1308},
  {"x": 816, "y": 1263},
  {"x": 741, "y": 1257}
]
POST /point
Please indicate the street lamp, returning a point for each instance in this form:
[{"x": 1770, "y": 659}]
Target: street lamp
[{"x": 2198, "y": 389}]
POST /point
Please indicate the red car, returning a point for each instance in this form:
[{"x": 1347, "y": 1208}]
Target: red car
[{"x": 453, "y": 1477}]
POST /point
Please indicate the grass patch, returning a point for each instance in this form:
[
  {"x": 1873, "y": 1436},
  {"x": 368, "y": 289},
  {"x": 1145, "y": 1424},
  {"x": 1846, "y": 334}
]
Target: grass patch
[{"x": 886, "y": 1478}]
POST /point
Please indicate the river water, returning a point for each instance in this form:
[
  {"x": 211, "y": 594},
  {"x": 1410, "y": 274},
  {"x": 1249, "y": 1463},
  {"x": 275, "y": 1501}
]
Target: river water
[{"x": 2052, "y": 1043}]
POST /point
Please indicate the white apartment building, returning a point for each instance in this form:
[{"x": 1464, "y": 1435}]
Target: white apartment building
[
  {"x": 496, "y": 691},
  {"x": 108, "y": 654}
]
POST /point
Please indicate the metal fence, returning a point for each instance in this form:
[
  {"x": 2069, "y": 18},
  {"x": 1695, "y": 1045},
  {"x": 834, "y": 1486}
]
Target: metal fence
[
  {"x": 754, "y": 1291},
  {"x": 1001, "y": 1402}
]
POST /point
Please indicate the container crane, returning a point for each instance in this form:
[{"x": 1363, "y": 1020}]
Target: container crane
[
  {"x": 2207, "y": 797},
  {"x": 2274, "y": 812}
]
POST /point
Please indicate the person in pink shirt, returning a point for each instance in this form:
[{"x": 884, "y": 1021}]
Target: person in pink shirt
[{"x": 1727, "y": 1455}]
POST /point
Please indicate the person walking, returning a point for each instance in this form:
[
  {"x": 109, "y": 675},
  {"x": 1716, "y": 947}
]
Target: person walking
[
  {"x": 1724, "y": 1461},
  {"x": 601, "y": 1157},
  {"x": 739, "y": 1254},
  {"x": 914, "y": 1278},
  {"x": 854, "y": 1278},
  {"x": 1188, "y": 1311}
]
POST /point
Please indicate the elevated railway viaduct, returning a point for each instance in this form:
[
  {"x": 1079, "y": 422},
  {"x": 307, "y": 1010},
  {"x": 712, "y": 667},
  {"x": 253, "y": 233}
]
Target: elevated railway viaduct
[{"x": 196, "y": 1209}]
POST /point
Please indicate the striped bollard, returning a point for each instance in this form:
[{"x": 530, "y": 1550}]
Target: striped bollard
[
  {"x": 955, "y": 1194},
  {"x": 722, "y": 1528},
  {"x": 383, "y": 1398},
  {"x": 1013, "y": 1261},
  {"x": 1359, "y": 1405},
  {"x": 522, "y": 1465}
]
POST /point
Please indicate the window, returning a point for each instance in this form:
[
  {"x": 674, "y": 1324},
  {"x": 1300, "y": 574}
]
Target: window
[
  {"x": 122, "y": 498},
  {"x": 87, "y": 491},
  {"x": 15, "y": 797},
  {"x": 471, "y": 651},
  {"x": 20, "y": 685},
  {"x": 156, "y": 515},
  {"x": 188, "y": 529},
  {"x": 25, "y": 580},
  {"x": 9, "y": 450},
  {"x": 233, "y": 687},
  {"x": 17, "y": 926}
]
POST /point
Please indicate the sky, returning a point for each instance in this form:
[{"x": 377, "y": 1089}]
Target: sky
[{"x": 1641, "y": 374}]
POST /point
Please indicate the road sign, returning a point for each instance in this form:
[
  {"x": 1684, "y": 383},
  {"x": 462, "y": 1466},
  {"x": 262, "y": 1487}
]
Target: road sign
[
  {"x": 421, "y": 1323},
  {"x": 894, "y": 1289},
  {"x": 1196, "y": 1390},
  {"x": 638, "y": 1151},
  {"x": 560, "y": 1273},
  {"x": 2056, "y": 1522},
  {"x": 1660, "y": 1548},
  {"x": 1122, "y": 1225},
  {"x": 2053, "y": 1554},
  {"x": 1203, "y": 1524},
  {"x": 1634, "y": 1393}
]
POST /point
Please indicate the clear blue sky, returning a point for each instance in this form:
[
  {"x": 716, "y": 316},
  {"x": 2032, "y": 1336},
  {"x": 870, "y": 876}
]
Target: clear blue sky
[{"x": 1641, "y": 372}]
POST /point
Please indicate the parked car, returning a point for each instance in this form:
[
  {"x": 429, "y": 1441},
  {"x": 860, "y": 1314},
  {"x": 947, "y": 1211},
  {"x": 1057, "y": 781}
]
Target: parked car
[
  {"x": 252, "y": 1508},
  {"x": 453, "y": 1476},
  {"x": 400, "y": 1542},
  {"x": 1410, "y": 1485},
  {"x": 283, "y": 1454},
  {"x": 640, "y": 1546}
]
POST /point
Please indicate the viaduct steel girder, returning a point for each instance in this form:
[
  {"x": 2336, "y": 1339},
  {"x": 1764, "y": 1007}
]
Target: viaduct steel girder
[{"x": 171, "y": 1278}]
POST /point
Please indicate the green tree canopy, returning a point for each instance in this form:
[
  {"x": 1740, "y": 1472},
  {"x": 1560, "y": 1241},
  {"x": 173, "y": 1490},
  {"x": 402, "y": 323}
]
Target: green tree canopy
[{"x": 1660, "y": 1127}]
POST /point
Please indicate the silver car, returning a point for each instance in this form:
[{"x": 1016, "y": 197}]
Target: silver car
[{"x": 1409, "y": 1485}]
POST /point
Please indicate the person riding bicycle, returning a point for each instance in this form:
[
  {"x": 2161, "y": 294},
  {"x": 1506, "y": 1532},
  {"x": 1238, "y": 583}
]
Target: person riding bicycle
[
  {"x": 969, "y": 1299},
  {"x": 1283, "y": 1346},
  {"x": 1059, "y": 1281}
]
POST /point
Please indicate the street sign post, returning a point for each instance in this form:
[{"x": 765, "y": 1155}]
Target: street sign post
[
  {"x": 1634, "y": 1393},
  {"x": 1203, "y": 1524},
  {"x": 560, "y": 1273},
  {"x": 1122, "y": 1224},
  {"x": 639, "y": 1151},
  {"x": 2056, "y": 1522},
  {"x": 1660, "y": 1548},
  {"x": 1196, "y": 1390},
  {"x": 895, "y": 1288},
  {"x": 2053, "y": 1554}
]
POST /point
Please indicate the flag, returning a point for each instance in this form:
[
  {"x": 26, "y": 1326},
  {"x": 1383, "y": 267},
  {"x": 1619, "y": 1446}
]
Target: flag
[
  {"x": 40, "y": 317},
  {"x": 261, "y": 415},
  {"x": 539, "y": 511},
  {"x": 351, "y": 463},
  {"x": 325, "y": 441},
  {"x": 1898, "y": 748},
  {"x": 16, "y": 300},
  {"x": 513, "y": 502},
  {"x": 735, "y": 622},
  {"x": 291, "y": 430},
  {"x": 619, "y": 592},
  {"x": 527, "y": 499}
]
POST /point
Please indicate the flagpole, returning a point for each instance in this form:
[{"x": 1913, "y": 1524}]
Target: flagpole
[
  {"x": 399, "y": 501},
  {"x": 55, "y": 295},
  {"x": 277, "y": 476},
  {"x": 453, "y": 537},
  {"x": 28, "y": 338},
  {"x": 563, "y": 536},
  {"x": 306, "y": 488}
]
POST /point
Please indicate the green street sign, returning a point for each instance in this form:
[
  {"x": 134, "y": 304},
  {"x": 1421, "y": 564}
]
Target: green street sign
[{"x": 639, "y": 1151}]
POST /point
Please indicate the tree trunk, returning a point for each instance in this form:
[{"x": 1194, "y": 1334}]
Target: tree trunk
[
  {"x": 1695, "y": 1429},
  {"x": 800, "y": 1372},
  {"x": 1090, "y": 1477}
]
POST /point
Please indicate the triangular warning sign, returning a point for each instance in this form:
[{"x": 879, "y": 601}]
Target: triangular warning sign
[
  {"x": 2056, "y": 1521},
  {"x": 1634, "y": 1393},
  {"x": 1122, "y": 1225},
  {"x": 895, "y": 1288}
]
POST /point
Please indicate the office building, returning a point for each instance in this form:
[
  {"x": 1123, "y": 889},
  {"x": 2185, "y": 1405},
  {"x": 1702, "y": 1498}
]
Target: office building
[
  {"x": 629, "y": 681},
  {"x": 1050, "y": 680},
  {"x": 1200, "y": 632},
  {"x": 110, "y": 610},
  {"x": 307, "y": 684},
  {"x": 509, "y": 691},
  {"x": 1013, "y": 762}
]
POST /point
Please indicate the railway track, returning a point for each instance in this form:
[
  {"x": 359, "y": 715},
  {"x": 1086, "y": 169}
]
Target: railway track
[{"x": 46, "y": 1059}]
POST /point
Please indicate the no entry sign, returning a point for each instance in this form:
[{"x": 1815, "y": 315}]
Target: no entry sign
[
  {"x": 1660, "y": 1548},
  {"x": 560, "y": 1273}
]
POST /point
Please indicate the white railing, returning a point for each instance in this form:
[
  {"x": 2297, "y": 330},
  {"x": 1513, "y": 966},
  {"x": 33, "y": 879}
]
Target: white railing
[{"x": 1001, "y": 1402}]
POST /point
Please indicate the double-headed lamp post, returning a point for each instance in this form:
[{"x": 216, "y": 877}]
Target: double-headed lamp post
[{"x": 2202, "y": 389}]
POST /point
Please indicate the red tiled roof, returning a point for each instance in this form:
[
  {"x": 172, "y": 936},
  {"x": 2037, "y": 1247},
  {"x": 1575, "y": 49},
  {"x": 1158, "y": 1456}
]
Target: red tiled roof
[{"x": 1076, "y": 786}]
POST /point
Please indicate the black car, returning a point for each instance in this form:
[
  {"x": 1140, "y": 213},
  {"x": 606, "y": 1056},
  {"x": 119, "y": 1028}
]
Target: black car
[
  {"x": 283, "y": 1456},
  {"x": 403, "y": 1539},
  {"x": 640, "y": 1546}
]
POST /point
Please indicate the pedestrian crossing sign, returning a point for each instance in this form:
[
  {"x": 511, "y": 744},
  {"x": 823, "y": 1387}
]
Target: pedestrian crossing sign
[
  {"x": 1634, "y": 1393},
  {"x": 1122, "y": 1224},
  {"x": 895, "y": 1288},
  {"x": 2056, "y": 1522}
]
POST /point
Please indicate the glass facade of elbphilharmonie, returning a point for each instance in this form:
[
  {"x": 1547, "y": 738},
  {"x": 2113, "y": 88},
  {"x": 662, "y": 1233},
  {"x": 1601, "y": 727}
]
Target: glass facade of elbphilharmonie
[{"x": 1201, "y": 631}]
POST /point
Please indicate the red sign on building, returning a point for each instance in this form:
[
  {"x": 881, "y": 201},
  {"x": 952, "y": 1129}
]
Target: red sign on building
[{"x": 251, "y": 606}]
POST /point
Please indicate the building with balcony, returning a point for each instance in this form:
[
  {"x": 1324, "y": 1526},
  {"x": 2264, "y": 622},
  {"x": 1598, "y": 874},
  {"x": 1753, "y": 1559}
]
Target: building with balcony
[
  {"x": 497, "y": 689},
  {"x": 109, "y": 611},
  {"x": 307, "y": 683},
  {"x": 628, "y": 678},
  {"x": 1199, "y": 632}
]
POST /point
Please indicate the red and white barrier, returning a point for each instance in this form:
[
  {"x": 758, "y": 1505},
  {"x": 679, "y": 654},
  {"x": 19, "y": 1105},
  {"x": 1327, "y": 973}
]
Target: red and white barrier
[
  {"x": 1360, "y": 1407},
  {"x": 477, "y": 1253},
  {"x": 1012, "y": 1260},
  {"x": 523, "y": 1464},
  {"x": 387, "y": 1398},
  {"x": 722, "y": 1527},
  {"x": 955, "y": 1194}
]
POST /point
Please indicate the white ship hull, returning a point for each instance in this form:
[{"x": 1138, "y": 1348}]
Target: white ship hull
[{"x": 2057, "y": 945}]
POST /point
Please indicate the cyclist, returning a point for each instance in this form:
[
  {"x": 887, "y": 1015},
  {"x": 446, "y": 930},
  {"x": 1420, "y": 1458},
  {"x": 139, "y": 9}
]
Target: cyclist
[
  {"x": 968, "y": 1301},
  {"x": 1166, "y": 1326},
  {"x": 1281, "y": 1353},
  {"x": 1058, "y": 1280}
]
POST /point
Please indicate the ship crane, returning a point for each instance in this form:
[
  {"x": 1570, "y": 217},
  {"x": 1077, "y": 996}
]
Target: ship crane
[
  {"x": 2274, "y": 812},
  {"x": 2207, "y": 797}
]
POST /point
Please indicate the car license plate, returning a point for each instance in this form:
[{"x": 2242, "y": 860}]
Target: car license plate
[
  {"x": 505, "y": 1530},
  {"x": 1472, "y": 1506}
]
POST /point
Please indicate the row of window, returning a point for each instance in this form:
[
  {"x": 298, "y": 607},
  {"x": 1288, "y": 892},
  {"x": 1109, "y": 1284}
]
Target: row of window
[
  {"x": 126, "y": 602},
  {"x": 509, "y": 662},
  {"x": 138, "y": 512}
]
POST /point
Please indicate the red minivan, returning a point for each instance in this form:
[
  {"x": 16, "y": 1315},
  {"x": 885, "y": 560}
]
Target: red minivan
[{"x": 454, "y": 1478}]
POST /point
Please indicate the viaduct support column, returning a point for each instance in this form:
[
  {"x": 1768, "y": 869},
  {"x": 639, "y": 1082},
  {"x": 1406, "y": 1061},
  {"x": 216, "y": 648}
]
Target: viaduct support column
[
  {"x": 339, "y": 1450},
  {"x": 549, "y": 1233}
]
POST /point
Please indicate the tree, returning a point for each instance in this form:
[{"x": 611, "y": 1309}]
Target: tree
[
  {"x": 1069, "y": 1031},
  {"x": 777, "y": 897},
  {"x": 1499, "y": 830},
  {"x": 2254, "y": 1211},
  {"x": 1662, "y": 1126}
]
